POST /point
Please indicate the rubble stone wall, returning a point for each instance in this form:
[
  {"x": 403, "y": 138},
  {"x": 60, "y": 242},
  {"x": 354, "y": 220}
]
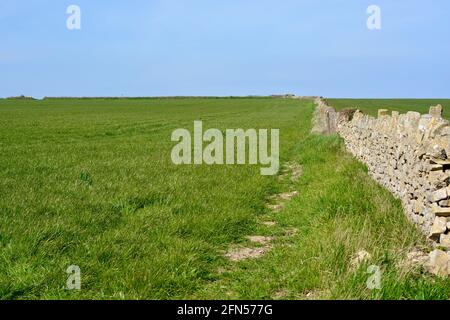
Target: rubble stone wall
[
  {"x": 325, "y": 118},
  {"x": 408, "y": 153}
]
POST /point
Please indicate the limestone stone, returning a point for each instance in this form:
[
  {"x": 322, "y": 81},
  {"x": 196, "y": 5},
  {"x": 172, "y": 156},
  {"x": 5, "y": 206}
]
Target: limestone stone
[
  {"x": 441, "y": 211},
  {"x": 360, "y": 257},
  {"x": 440, "y": 161},
  {"x": 436, "y": 167},
  {"x": 415, "y": 258},
  {"x": 325, "y": 118},
  {"x": 439, "y": 227},
  {"x": 439, "y": 263},
  {"x": 418, "y": 206},
  {"x": 444, "y": 241},
  {"x": 439, "y": 179},
  {"x": 436, "y": 111},
  {"x": 440, "y": 194},
  {"x": 382, "y": 112}
]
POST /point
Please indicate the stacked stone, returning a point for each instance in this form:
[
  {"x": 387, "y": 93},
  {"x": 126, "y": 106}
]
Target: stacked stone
[
  {"x": 325, "y": 118},
  {"x": 409, "y": 154}
]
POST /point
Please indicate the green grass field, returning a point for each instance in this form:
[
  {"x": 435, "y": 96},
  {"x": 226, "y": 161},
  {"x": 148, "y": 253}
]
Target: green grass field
[
  {"x": 371, "y": 106},
  {"x": 90, "y": 183}
]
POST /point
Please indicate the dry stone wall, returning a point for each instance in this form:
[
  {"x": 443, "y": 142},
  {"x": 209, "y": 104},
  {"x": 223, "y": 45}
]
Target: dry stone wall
[
  {"x": 408, "y": 153},
  {"x": 325, "y": 118}
]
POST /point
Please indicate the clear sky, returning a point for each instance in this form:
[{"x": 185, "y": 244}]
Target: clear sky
[{"x": 225, "y": 47}]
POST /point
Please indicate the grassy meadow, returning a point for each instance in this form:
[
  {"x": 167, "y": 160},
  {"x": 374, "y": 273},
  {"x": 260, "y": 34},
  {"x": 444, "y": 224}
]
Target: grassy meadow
[{"x": 90, "y": 182}]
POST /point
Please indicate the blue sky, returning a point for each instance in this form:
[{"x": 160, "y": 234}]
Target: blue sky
[{"x": 225, "y": 47}]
